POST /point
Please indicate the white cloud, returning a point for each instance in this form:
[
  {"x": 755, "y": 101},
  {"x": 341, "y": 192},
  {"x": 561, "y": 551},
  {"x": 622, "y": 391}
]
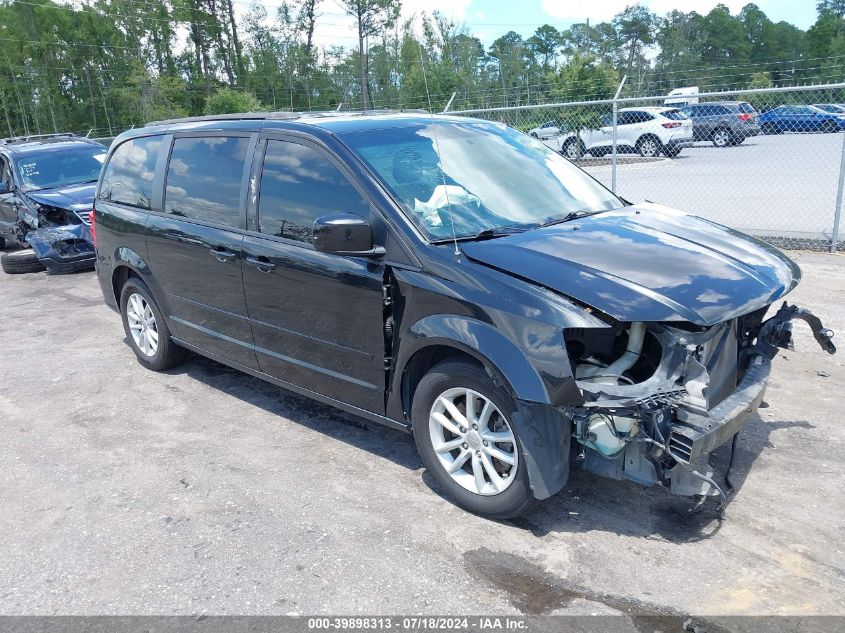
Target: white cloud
[
  {"x": 581, "y": 10},
  {"x": 661, "y": 7},
  {"x": 604, "y": 10},
  {"x": 339, "y": 30}
]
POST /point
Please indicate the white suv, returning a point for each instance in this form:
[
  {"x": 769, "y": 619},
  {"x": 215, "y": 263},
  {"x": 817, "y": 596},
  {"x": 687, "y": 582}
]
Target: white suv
[{"x": 648, "y": 131}]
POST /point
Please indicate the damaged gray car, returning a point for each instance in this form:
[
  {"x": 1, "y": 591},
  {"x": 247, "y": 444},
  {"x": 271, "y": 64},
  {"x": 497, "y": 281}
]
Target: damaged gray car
[{"x": 47, "y": 185}]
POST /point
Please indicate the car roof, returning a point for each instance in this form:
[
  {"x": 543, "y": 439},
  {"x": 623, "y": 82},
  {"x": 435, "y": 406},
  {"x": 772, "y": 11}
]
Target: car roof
[
  {"x": 20, "y": 145},
  {"x": 657, "y": 109},
  {"x": 331, "y": 122},
  {"x": 736, "y": 103}
]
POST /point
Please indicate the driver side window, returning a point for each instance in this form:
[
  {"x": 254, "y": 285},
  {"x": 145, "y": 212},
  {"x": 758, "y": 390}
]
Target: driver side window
[{"x": 299, "y": 185}]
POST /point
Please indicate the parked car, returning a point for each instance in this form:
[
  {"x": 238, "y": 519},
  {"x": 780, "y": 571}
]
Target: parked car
[
  {"x": 452, "y": 278},
  {"x": 788, "y": 118},
  {"x": 723, "y": 123},
  {"x": 647, "y": 131},
  {"x": 547, "y": 130},
  {"x": 47, "y": 186},
  {"x": 830, "y": 108}
]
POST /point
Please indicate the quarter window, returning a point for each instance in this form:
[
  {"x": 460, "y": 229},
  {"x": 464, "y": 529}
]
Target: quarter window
[
  {"x": 298, "y": 185},
  {"x": 129, "y": 174},
  {"x": 204, "y": 178}
]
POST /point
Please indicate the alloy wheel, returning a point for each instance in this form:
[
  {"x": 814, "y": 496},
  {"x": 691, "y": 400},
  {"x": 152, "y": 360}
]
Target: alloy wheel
[
  {"x": 721, "y": 138},
  {"x": 142, "y": 324},
  {"x": 473, "y": 441},
  {"x": 649, "y": 148}
]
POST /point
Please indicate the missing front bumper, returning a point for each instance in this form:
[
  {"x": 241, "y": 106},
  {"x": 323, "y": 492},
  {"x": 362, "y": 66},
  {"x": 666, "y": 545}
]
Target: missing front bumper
[{"x": 691, "y": 406}]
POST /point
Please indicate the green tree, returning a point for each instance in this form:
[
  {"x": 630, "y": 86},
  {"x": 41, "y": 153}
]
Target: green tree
[
  {"x": 228, "y": 101},
  {"x": 372, "y": 17}
]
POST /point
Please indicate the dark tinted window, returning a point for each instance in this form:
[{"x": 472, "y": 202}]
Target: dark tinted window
[
  {"x": 298, "y": 185},
  {"x": 626, "y": 118},
  {"x": 747, "y": 108},
  {"x": 204, "y": 178},
  {"x": 675, "y": 115},
  {"x": 129, "y": 174}
]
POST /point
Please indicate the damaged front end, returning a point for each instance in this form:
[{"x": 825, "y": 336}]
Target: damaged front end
[
  {"x": 61, "y": 238},
  {"x": 660, "y": 397}
]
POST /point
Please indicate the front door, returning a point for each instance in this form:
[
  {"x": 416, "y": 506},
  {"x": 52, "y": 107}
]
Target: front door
[
  {"x": 317, "y": 318},
  {"x": 8, "y": 199},
  {"x": 195, "y": 244}
]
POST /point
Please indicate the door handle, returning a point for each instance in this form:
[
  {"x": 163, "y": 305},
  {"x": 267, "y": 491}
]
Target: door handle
[
  {"x": 261, "y": 263},
  {"x": 223, "y": 254}
]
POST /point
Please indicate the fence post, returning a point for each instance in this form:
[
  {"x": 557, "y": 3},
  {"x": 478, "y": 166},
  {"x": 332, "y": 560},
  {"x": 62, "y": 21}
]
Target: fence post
[
  {"x": 615, "y": 113},
  {"x": 838, "y": 211}
]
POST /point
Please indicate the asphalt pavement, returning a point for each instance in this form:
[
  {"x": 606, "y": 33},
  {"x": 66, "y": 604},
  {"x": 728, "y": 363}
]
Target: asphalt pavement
[{"x": 203, "y": 490}]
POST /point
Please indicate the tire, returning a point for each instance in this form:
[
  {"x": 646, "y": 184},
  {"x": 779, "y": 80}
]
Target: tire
[
  {"x": 136, "y": 299},
  {"x": 769, "y": 128},
  {"x": 573, "y": 149},
  {"x": 672, "y": 152},
  {"x": 509, "y": 495},
  {"x": 21, "y": 262},
  {"x": 829, "y": 127},
  {"x": 721, "y": 137},
  {"x": 649, "y": 146},
  {"x": 534, "y": 135}
]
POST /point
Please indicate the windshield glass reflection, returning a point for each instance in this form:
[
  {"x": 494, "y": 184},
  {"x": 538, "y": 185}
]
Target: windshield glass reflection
[{"x": 477, "y": 175}]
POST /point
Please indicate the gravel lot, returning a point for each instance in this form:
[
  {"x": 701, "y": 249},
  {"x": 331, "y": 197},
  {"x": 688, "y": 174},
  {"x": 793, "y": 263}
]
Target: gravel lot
[
  {"x": 203, "y": 490},
  {"x": 781, "y": 186}
]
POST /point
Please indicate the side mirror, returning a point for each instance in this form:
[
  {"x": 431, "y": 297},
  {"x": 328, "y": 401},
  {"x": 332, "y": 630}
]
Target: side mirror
[
  {"x": 345, "y": 234},
  {"x": 4, "y": 187}
]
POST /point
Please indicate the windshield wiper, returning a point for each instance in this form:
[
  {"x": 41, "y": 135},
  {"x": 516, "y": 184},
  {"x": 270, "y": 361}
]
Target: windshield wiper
[
  {"x": 572, "y": 215},
  {"x": 487, "y": 234}
]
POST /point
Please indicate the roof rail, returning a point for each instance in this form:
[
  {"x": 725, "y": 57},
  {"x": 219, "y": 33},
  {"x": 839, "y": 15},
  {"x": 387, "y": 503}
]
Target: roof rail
[
  {"x": 279, "y": 116},
  {"x": 36, "y": 137}
]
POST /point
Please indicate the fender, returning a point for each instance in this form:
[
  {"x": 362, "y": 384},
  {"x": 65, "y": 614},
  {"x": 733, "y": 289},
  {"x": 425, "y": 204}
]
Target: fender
[
  {"x": 129, "y": 258},
  {"x": 543, "y": 428},
  {"x": 471, "y": 335}
]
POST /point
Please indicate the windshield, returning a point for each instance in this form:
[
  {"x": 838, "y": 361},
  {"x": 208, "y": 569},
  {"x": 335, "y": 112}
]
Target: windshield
[
  {"x": 60, "y": 168},
  {"x": 493, "y": 177}
]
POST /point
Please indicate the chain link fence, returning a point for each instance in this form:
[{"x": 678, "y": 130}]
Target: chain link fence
[{"x": 769, "y": 162}]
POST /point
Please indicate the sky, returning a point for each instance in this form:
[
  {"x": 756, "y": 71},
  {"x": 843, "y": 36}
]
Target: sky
[{"x": 488, "y": 19}]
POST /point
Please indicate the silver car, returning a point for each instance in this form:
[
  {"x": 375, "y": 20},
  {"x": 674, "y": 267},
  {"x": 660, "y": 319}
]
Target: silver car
[{"x": 724, "y": 123}]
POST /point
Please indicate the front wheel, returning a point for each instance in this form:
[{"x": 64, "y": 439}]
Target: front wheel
[
  {"x": 21, "y": 262},
  {"x": 463, "y": 428},
  {"x": 146, "y": 328}
]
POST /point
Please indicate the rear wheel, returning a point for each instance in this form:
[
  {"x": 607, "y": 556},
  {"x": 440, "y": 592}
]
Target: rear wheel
[
  {"x": 829, "y": 127},
  {"x": 649, "y": 147},
  {"x": 146, "y": 328},
  {"x": 721, "y": 137},
  {"x": 573, "y": 149},
  {"x": 769, "y": 128},
  {"x": 671, "y": 152},
  {"x": 21, "y": 262},
  {"x": 464, "y": 432}
]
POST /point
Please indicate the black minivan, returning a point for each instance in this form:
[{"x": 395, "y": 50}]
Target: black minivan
[{"x": 450, "y": 277}]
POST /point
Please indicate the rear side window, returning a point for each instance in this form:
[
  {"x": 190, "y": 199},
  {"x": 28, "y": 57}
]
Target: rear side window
[
  {"x": 129, "y": 174},
  {"x": 747, "y": 108},
  {"x": 675, "y": 115},
  {"x": 204, "y": 179},
  {"x": 298, "y": 185}
]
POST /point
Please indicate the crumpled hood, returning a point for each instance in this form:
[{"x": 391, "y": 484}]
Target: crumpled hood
[
  {"x": 74, "y": 197},
  {"x": 647, "y": 263}
]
